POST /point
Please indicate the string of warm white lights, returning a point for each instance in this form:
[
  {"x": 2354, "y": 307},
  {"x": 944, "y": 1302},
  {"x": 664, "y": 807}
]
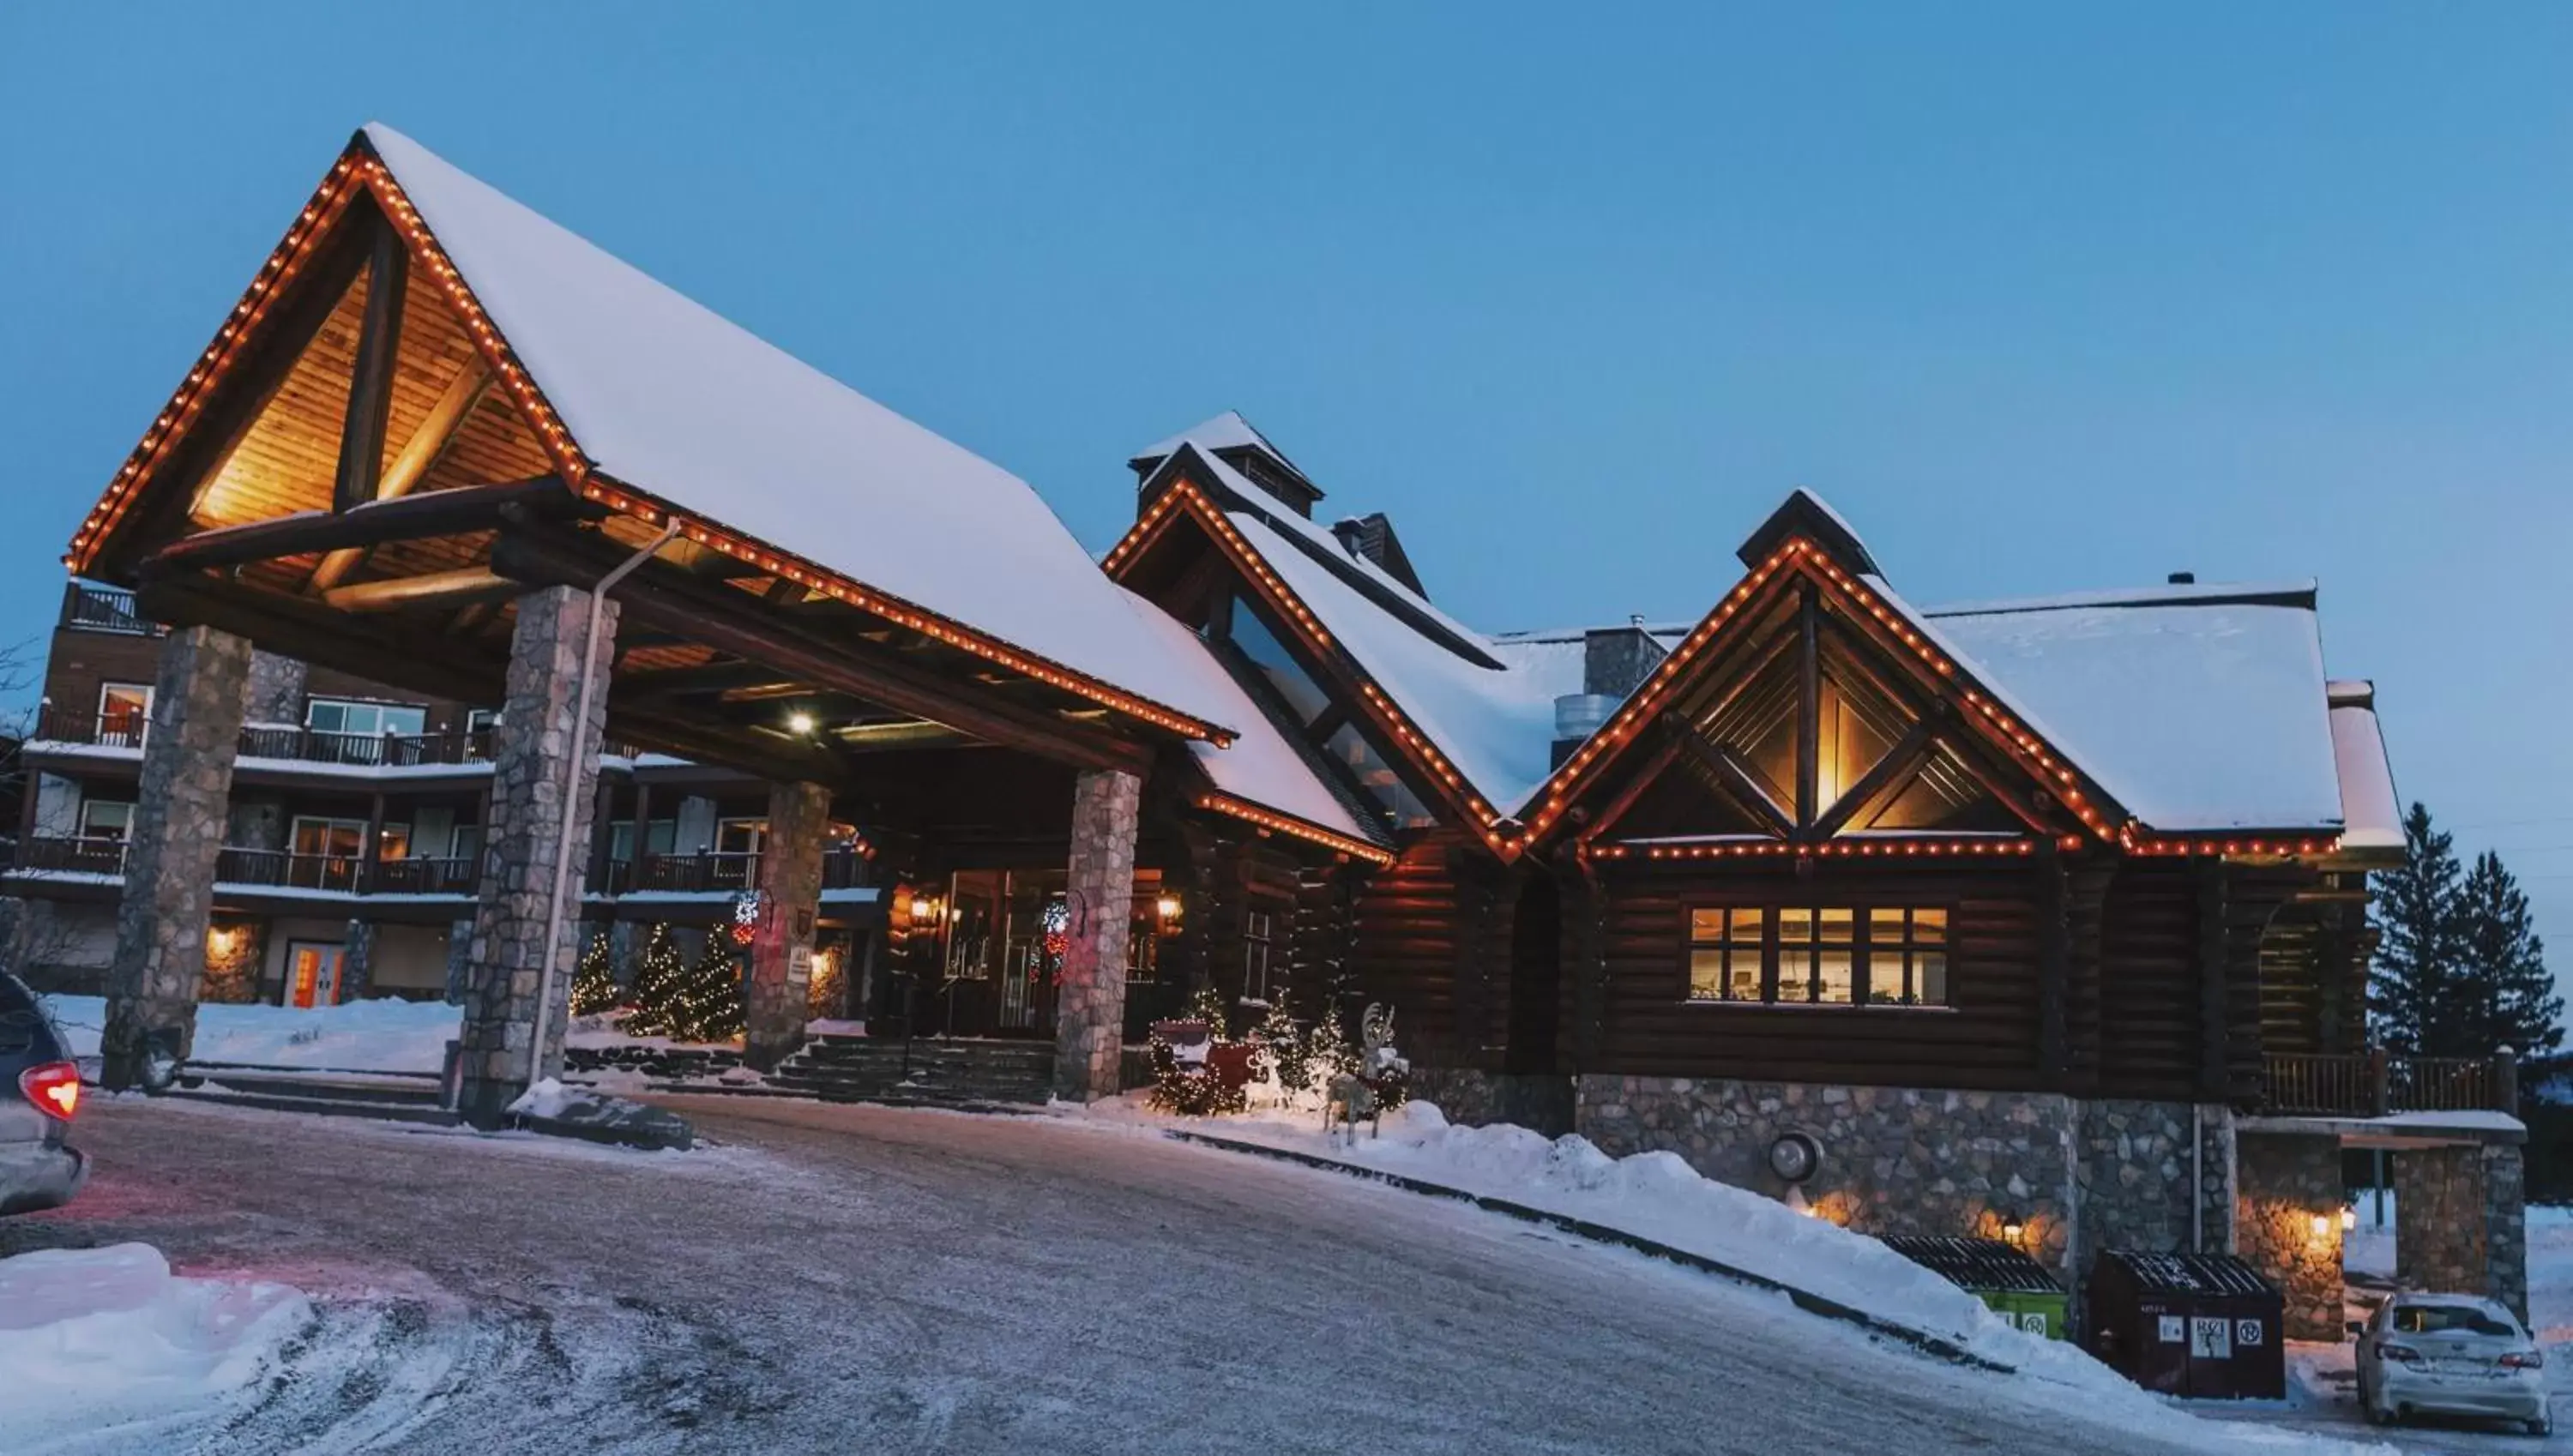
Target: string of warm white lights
[{"x": 1358, "y": 849}]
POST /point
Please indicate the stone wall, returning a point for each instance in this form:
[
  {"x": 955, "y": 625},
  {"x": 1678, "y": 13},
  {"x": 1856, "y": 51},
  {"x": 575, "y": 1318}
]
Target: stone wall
[
  {"x": 1475, "y": 1098},
  {"x": 2136, "y": 1178},
  {"x": 235, "y": 950},
  {"x": 2289, "y": 1183},
  {"x": 2460, "y": 1221},
  {"x": 1895, "y": 1160},
  {"x": 776, "y": 992},
  {"x": 276, "y": 688}
]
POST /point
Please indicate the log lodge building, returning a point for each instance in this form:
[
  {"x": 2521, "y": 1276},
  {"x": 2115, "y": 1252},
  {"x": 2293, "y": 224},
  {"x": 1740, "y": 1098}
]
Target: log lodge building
[{"x": 2039, "y": 915}]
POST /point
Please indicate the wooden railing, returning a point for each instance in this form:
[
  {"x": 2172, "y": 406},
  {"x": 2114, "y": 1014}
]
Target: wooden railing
[
  {"x": 61, "y": 855},
  {"x": 455, "y": 874},
  {"x": 2377, "y": 1083},
  {"x": 104, "y": 610},
  {"x": 283, "y": 741},
  {"x": 731, "y": 870},
  {"x": 285, "y": 870}
]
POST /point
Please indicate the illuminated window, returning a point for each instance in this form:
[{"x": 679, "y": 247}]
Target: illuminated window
[
  {"x": 123, "y": 708},
  {"x": 1828, "y": 955}
]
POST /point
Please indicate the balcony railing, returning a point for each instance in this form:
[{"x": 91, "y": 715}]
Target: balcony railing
[
  {"x": 723, "y": 871},
  {"x": 77, "y": 856},
  {"x": 455, "y": 875},
  {"x": 281, "y": 741},
  {"x": 104, "y": 610},
  {"x": 2377, "y": 1083}
]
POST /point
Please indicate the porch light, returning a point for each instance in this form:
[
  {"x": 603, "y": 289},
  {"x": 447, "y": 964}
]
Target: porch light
[
  {"x": 924, "y": 909},
  {"x": 2013, "y": 1229},
  {"x": 1168, "y": 908},
  {"x": 2323, "y": 1225},
  {"x": 799, "y": 723},
  {"x": 2348, "y": 1218}
]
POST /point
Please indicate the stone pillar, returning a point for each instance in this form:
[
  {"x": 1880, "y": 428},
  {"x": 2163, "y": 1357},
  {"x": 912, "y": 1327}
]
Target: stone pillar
[
  {"x": 1089, "y": 1000},
  {"x": 275, "y": 690},
  {"x": 781, "y": 958},
  {"x": 2287, "y": 1224},
  {"x": 460, "y": 959},
  {"x": 532, "y": 774},
  {"x": 2460, "y": 1224},
  {"x": 357, "y": 961},
  {"x": 161, "y": 921}
]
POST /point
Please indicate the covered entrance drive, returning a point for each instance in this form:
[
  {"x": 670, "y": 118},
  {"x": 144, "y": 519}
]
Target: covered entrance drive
[{"x": 445, "y": 445}]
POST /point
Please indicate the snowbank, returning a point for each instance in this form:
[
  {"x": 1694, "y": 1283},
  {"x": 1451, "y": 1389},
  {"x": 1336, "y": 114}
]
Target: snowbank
[
  {"x": 1660, "y": 1196},
  {"x": 98, "y": 1341},
  {"x": 360, "y": 1035}
]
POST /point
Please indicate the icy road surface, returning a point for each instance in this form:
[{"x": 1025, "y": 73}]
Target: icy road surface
[{"x": 866, "y": 1279}]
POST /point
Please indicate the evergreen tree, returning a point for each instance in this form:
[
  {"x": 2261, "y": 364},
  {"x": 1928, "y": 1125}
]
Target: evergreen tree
[
  {"x": 709, "y": 1006},
  {"x": 593, "y": 985},
  {"x": 2507, "y": 998},
  {"x": 658, "y": 983},
  {"x": 2410, "y": 996}
]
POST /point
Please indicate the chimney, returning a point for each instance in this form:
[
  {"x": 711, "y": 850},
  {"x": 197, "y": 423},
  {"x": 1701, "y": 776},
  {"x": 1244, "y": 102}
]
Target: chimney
[
  {"x": 1614, "y": 662},
  {"x": 2183, "y": 579}
]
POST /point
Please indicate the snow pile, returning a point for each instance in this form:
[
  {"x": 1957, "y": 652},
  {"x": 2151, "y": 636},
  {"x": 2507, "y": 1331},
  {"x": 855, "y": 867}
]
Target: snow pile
[
  {"x": 359, "y": 1035},
  {"x": 97, "y": 1342},
  {"x": 2550, "y": 1277},
  {"x": 1657, "y": 1195}
]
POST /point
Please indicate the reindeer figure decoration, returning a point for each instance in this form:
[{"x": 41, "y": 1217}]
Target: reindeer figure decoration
[{"x": 1353, "y": 1094}]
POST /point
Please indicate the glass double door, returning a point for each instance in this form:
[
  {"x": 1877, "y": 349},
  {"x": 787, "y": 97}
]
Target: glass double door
[
  {"x": 999, "y": 951},
  {"x": 312, "y": 972}
]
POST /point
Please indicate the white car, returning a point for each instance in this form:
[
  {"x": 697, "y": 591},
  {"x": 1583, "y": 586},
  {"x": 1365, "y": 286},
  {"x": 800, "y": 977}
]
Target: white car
[{"x": 2450, "y": 1354}]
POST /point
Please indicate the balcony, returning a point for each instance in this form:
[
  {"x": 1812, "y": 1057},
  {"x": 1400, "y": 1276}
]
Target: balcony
[
  {"x": 276, "y": 741},
  {"x": 58, "y": 856},
  {"x": 2380, "y": 1083},
  {"x": 721, "y": 873},
  {"x": 104, "y": 610}
]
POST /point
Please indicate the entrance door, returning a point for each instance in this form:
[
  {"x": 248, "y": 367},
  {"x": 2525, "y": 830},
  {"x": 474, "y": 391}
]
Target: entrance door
[
  {"x": 312, "y": 972},
  {"x": 1039, "y": 927}
]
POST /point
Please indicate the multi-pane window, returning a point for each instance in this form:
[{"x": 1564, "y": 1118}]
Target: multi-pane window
[
  {"x": 106, "y": 819},
  {"x": 1819, "y": 955},
  {"x": 123, "y": 708},
  {"x": 1258, "y": 928},
  {"x": 336, "y": 838},
  {"x": 341, "y": 715},
  {"x": 1726, "y": 953}
]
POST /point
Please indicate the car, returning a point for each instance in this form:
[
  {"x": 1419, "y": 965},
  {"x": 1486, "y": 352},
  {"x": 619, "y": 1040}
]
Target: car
[
  {"x": 2450, "y": 1354},
  {"x": 40, "y": 1094}
]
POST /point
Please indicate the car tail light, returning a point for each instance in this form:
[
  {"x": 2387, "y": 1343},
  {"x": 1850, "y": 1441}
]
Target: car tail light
[
  {"x": 2404, "y": 1353},
  {"x": 2525, "y": 1360},
  {"x": 54, "y": 1087}
]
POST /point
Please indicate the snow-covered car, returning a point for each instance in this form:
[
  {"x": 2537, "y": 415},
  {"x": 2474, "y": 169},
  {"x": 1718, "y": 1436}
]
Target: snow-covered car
[
  {"x": 40, "y": 1091},
  {"x": 2450, "y": 1354}
]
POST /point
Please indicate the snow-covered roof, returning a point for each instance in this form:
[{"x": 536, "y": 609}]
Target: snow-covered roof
[
  {"x": 1496, "y": 725},
  {"x": 671, "y": 398},
  {"x": 1259, "y": 765},
  {"x": 2372, "y": 812},
  {"x": 1224, "y": 431},
  {"x": 2195, "y": 715}
]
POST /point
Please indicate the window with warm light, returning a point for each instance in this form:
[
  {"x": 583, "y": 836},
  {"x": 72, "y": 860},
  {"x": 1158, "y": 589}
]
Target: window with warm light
[{"x": 1819, "y": 955}]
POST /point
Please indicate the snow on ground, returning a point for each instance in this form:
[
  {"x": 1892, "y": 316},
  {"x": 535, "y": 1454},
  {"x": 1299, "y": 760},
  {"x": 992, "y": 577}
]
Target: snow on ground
[
  {"x": 1660, "y": 1196},
  {"x": 103, "y": 1346},
  {"x": 2550, "y": 1283},
  {"x": 359, "y": 1035}
]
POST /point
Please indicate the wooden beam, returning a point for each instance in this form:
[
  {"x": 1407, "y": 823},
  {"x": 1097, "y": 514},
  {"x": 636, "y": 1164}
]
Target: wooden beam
[
  {"x": 438, "y": 513},
  {"x": 465, "y": 584},
  {"x": 2054, "y": 964},
  {"x": 418, "y": 454},
  {"x": 705, "y": 678},
  {"x": 381, "y": 651},
  {"x": 884, "y": 737},
  {"x": 1638, "y": 779},
  {"x": 1809, "y": 705},
  {"x": 371, "y": 379},
  {"x": 1898, "y": 761},
  {"x": 1729, "y": 776},
  {"x": 739, "y": 625},
  {"x": 2215, "y": 1075},
  {"x": 712, "y": 743}
]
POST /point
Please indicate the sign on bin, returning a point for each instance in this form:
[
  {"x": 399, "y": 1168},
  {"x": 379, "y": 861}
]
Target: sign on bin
[{"x": 2210, "y": 1338}]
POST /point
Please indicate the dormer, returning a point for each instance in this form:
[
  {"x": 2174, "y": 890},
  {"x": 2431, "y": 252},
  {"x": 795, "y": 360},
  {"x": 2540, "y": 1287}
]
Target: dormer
[{"x": 1233, "y": 440}]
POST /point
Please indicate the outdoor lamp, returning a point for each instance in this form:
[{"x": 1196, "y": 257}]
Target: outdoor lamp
[
  {"x": 2348, "y": 1218},
  {"x": 1168, "y": 908},
  {"x": 2323, "y": 1225},
  {"x": 799, "y": 722},
  {"x": 2013, "y": 1229}
]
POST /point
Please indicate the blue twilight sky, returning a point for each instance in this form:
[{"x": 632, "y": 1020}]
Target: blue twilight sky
[{"x": 2041, "y": 297}]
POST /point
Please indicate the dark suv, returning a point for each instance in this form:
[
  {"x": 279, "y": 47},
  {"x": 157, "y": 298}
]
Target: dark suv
[{"x": 40, "y": 1089}]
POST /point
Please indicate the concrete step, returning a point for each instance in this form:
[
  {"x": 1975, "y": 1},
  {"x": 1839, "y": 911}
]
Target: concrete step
[{"x": 430, "y": 1115}]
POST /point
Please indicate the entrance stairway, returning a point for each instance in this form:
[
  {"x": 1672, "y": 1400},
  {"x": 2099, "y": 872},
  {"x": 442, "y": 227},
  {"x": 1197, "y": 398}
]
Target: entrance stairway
[
  {"x": 388, "y": 1097},
  {"x": 938, "y": 1070}
]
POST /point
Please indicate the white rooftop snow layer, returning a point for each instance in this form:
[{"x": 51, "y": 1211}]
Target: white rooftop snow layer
[
  {"x": 1260, "y": 766},
  {"x": 1496, "y": 725},
  {"x": 670, "y": 397},
  {"x": 1226, "y": 431},
  {"x": 2371, "y": 813},
  {"x": 2195, "y": 717}
]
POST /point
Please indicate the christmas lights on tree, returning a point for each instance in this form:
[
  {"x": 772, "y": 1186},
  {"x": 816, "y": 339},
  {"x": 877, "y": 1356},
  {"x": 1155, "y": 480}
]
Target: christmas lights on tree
[
  {"x": 709, "y": 1006},
  {"x": 593, "y": 985},
  {"x": 658, "y": 982}
]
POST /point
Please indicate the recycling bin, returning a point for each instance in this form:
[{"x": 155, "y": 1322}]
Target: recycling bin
[
  {"x": 2016, "y": 1286},
  {"x": 2207, "y": 1327}
]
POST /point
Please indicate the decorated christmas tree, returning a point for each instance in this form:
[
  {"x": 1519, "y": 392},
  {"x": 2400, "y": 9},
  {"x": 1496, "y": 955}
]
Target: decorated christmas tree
[
  {"x": 709, "y": 1006},
  {"x": 658, "y": 983},
  {"x": 594, "y": 985}
]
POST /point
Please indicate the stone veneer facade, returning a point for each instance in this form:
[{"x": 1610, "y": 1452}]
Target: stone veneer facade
[
  {"x": 179, "y": 821},
  {"x": 1895, "y": 1160},
  {"x": 2461, "y": 1221},
  {"x": 2135, "y": 1175},
  {"x": 1089, "y": 1003},
  {"x": 2289, "y": 1181},
  {"x": 532, "y": 767}
]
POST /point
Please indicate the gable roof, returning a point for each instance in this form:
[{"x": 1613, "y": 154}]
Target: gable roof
[
  {"x": 641, "y": 392},
  {"x": 1226, "y": 431}
]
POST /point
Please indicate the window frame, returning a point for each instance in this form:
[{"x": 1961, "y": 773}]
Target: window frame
[
  {"x": 1259, "y": 952},
  {"x": 124, "y": 832},
  {"x": 374, "y": 706},
  {"x": 1865, "y": 952}
]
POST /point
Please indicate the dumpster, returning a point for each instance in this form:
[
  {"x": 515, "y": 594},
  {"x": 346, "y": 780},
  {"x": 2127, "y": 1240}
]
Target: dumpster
[
  {"x": 2207, "y": 1326},
  {"x": 2016, "y": 1286}
]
